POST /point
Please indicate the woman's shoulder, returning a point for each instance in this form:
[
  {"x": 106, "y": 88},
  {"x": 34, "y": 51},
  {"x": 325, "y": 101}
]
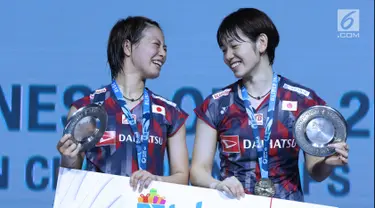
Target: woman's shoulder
[{"x": 97, "y": 95}]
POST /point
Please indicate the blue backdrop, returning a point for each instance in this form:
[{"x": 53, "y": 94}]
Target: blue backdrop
[{"x": 53, "y": 52}]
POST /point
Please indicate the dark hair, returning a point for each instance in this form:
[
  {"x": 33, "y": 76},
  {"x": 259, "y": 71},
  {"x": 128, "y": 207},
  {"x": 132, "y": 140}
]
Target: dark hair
[
  {"x": 252, "y": 23},
  {"x": 130, "y": 29}
]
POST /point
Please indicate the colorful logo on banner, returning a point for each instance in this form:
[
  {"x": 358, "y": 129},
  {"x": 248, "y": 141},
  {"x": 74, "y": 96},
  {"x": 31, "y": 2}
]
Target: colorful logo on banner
[{"x": 154, "y": 200}]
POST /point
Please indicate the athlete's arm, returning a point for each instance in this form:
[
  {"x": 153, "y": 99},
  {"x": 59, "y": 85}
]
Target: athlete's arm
[
  {"x": 203, "y": 155},
  {"x": 70, "y": 156},
  {"x": 178, "y": 158},
  {"x": 320, "y": 168},
  {"x": 317, "y": 168}
]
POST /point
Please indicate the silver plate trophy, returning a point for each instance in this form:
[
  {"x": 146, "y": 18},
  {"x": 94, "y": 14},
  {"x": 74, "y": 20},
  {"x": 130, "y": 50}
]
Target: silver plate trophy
[
  {"x": 87, "y": 125},
  {"x": 318, "y": 126},
  {"x": 265, "y": 187}
]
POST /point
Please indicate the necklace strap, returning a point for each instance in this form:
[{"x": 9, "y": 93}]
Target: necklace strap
[
  {"x": 259, "y": 97},
  {"x": 132, "y": 99}
]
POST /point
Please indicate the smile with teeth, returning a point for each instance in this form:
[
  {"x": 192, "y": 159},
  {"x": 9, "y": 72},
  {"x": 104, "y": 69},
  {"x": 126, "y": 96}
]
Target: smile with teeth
[
  {"x": 159, "y": 63},
  {"x": 235, "y": 64}
]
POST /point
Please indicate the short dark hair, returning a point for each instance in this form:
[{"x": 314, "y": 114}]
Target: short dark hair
[
  {"x": 130, "y": 29},
  {"x": 252, "y": 22}
]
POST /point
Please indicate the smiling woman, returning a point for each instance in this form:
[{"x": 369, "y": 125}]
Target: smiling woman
[
  {"x": 150, "y": 123},
  {"x": 260, "y": 109}
]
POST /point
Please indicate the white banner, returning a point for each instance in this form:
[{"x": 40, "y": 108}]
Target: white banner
[{"x": 78, "y": 188}]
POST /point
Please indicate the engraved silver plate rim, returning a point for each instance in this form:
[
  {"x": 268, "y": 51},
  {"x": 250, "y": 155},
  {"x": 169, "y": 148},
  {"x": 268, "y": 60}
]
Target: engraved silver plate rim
[
  {"x": 83, "y": 112},
  {"x": 305, "y": 143}
]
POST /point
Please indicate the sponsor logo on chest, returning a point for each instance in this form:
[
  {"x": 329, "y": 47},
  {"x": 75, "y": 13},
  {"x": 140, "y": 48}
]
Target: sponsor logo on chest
[
  {"x": 232, "y": 144},
  {"x": 109, "y": 138},
  {"x": 259, "y": 118}
]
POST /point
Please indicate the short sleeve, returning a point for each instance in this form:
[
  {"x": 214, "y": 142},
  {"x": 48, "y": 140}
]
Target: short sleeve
[
  {"x": 319, "y": 100},
  {"x": 176, "y": 118},
  {"x": 308, "y": 101},
  {"x": 96, "y": 95},
  {"x": 313, "y": 100},
  {"x": 81, "y": 102},
  {"x": 207, "y": 112}
]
